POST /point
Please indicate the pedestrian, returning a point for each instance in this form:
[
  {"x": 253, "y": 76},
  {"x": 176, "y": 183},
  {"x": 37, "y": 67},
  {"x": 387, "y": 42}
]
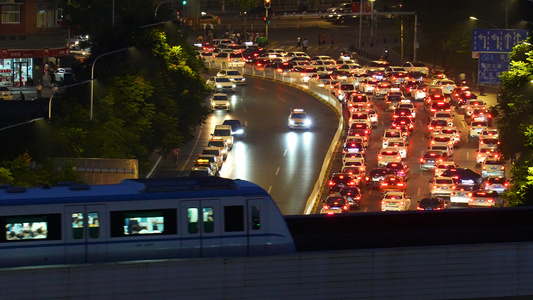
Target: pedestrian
[
  {"x": 299, "y": 39},
  {"x": 204, "y": 27},
  {"x": 39, "y": 89},
  {"x": 176, "y": 155},
  {"x": 305, "y": 44},
  {"x": 332, "y": 40},
  {"x": 21, "y": 97}
]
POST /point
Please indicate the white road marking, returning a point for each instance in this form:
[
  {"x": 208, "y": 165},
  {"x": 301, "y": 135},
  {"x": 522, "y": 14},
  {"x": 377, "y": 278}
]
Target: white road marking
[
  {"x": 195, "y": 144},
  {"x": 285, "y": 153},
  {"x": 467, "y": 155},
  {"x": 282, "y": 99},
  {"x": 260, "y": 88},
  {"x": 277, "y": 171},
  {"x": 418, "y": 192},
  {"x": 269, "y": 189}
]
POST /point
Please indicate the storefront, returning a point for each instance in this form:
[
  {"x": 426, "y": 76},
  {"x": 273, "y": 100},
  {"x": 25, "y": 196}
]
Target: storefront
[
  {"x": 16, "y": 71},
  {"x": 17, "y": 66}
]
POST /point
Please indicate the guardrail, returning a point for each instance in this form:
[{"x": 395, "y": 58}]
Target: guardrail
[{"x": 322, "y": 94}]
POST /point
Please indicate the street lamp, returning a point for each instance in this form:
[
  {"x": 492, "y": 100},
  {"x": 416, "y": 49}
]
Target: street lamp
[
  {"x": 476, "y": 19},
  {"x": 92, "y": 76}
]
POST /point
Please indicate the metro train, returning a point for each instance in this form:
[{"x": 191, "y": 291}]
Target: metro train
[{"x": 139, "y": 219}]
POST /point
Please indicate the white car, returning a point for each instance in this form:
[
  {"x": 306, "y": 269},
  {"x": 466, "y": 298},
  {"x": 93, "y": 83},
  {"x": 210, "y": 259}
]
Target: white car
[
  {"x": 451, "y": 132},
  {"x": 441, "y": 186},
  {"x": 221, "y": 84},
  {"x": 389, "y": 134},
  {"x": 398, "y": 144},
  {"x": 409, "y": 106},
  {"x": 395, "y": 201},
  {"x": 447, "y": 86},
  {"x": 220, "y": 101},
  {"x": 416, "y": 67},
  {"x": 476, "y": 128},
  {"x": 489, "y": 133},
  {"x": 229, "y": 60},
  {"x": 61, "y": 72},
  {"x": 354, "y": 162},
  {"x": 233, "y": 75},
  {"x": 357, "y": 139},
  {"x": 473, "y": 104},
  {"x": 387, "y": 155},
  {"x": 298, "y": 119}
]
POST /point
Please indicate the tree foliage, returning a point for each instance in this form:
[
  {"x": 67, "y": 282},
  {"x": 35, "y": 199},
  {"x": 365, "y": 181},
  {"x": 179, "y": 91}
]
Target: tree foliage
[{"x": 515, "y": 122}]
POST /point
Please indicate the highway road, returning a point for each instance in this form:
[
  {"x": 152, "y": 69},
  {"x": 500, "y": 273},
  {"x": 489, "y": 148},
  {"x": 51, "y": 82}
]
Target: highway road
[{"x": 284, "y": 162}]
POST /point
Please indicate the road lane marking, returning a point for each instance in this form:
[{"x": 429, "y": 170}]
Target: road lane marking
[
  {"x": 282, "y": 99},
  {"x": 277, "y": 171},
  {"x": 269, "y": 189},
  {"x": 260, "y": 88},
  {"x": 194, "y": 147},
  {"x": 366, "y": 209},
  {"x": 419, "y": 190},
  {"x": 467, "y": 155}
]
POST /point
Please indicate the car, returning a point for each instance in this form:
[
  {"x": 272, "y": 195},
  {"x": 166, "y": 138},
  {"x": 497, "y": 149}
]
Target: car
[
  {"x": 353, "y": 194},
  {"x": 400, "y": 169},
  {"x": 402, "y": 112},
  {"x": 480, "y": 114},
  {"x": 355, "y": 171},
  {"x": 376, "y": 175},
  {"x": 220, "y": 101},
  {"x": 340, "y": 180},
  {"x": 392, "y": 134},
  {"x": 488, "y": 143},
  {"x": 360, "y": 129},
  {"x": 229, "y": 60},
  {"x": 387, "y": 155},
  {"x": 447, "y": 85},
  {"x": 351, "y": 147},
  {"x": 443, "y": 166},
  {"x": 416, "y": 67},
  {"x": 237, "y": 128},
  {"x": 381, "y": 89},
  {"x": 216, "y": 151},
  {"x": 442, "y": 115},
  {"x": 475, "y": 128},
  {"x": 346, "y": 157},
  {"x": 392, "y": 183},
  {"x": 436, "y": 125},
  {"x": 462, "y": 98},
  {"x": 482, "y": 155},
  {"x": 373, "y": 115},
  {"x": 62, "y": 73},
  {"x": 335, "y": 204},
  {"x": 5, "y": 93},
  {"x": 209, "y": 160},
  {"x": 441, "y": 140},
  {"x": 233, "y": 75},
  {"x": 391, "y": 101},
  {"x": 357, "y": 139},
  {"x": 431, "y": 203},
  {"x": 350, "y": 164},
  {"x": 224, "y": 132},
  {"x": 496, "y": 183},
  {"x": 360, "y": 117},
  {"x": 437, "y": 106},
  {"x": 398, "y": 77},
  {"x": 346, "y": 19},
  {"x": 395, "y": 201},
  {"x": 473, "y": 104},
  {"x": 419, "y": 93},
  {"x": 343, "y": 89},
  {"x": 408, "y": 105},
  {"x": 484, "y": 198},
  {"x": 460, "y": 194},
  {"x": 464, "y": 176},
  {"x": 489, "y": 133},
  {"x": 441, "y": 186},
  {"x": 376, "y": 65},
  {"x": 403, "y": 123},
  {"x": 367, "y": 85},
  {"x": 446, "y": 148},
  {"x": 398, "y": 144},
  {"x": 298, "y": 119},
  {"x": 207, "y": 18},
  {"x": 358, "y": 101},
  {"x": 431, "y": 159},
  {"x": 221, "y": 84},
  {"x": 409, "y": 85},
  {"x": 298, "y": 54},
  {"x": 221, "y": 144},
  {"x": 493, "y": 166},
  {"x": 201, "y": 171},
  {"x": 450, "y": 132}
]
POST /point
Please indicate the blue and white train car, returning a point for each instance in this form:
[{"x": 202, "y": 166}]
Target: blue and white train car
[{"x": 139, "y": 219}]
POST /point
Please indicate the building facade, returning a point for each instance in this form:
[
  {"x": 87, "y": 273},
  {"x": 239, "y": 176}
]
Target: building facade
[{"x": 31, "y": 39}]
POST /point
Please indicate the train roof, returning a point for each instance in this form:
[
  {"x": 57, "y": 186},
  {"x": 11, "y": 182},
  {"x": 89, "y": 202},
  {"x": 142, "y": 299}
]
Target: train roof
[{"x": 131, "y": 189}]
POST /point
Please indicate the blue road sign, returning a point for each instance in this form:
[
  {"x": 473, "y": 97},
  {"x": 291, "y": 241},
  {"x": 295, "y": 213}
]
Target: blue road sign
[
  {"x": 491, "y": 66},
  {"x": 497, "y": 40}
]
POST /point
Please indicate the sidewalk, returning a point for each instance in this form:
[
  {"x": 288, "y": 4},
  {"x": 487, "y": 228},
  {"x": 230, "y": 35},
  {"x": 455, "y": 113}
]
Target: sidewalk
[{"x": 30, "y": 92}]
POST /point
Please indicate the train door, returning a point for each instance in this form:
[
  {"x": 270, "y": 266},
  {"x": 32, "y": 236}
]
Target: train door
[
  {"x": 258, "y": 238},
  {"x": 200, "y": 227},
  {"x": 84, "y": 234}
]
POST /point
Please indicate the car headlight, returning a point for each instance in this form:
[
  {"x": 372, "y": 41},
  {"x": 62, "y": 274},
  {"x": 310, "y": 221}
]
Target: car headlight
[
  {"x": 291, "y": 122},
  {"x": 243, "y": 79},
  {"x": 233, "y": 85},
  {"x": 232, "y": 79},
  {"x": 227, "y": 103},
  {"x": 219, "y": 86},
  {"x": 240, "y": 131},
  {"x": 307, "y": 122}
]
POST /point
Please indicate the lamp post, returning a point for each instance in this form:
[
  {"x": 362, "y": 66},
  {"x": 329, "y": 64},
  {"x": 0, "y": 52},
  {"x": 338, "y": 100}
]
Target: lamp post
[
  {"x": 92, "y": 76},
  {"x": 476, "y": 19},
  {"x": 155, "y": 13}
]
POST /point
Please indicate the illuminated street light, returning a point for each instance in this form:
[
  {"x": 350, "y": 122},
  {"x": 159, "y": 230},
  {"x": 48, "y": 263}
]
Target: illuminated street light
[{"x": 476, "y": 19}]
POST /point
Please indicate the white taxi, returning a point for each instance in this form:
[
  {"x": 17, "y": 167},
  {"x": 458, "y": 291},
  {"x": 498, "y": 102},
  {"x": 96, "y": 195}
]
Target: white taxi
[
  {"x": 441, "y": 186},
  {"x": 298, "y": 119},
  {"x": 388, "y": 155}
]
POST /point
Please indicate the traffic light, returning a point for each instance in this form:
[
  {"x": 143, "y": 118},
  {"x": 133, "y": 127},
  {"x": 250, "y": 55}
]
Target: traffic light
[
  {"x": 266, "y": 20},
  {"x": 184, "y": 2},
  {"x": 267, "y": 4}
]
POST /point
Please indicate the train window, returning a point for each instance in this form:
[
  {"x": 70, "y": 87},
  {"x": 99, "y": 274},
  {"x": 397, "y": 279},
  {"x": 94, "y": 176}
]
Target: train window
[
  {"x": 233, "y": 218},
  {"x": 77, "y": 225},
  {"x": 126, "y": 223},
  {"x": 209, "y": 219},
  {"x": 36, "y": 227},
  {"x": 256, "y": 218},
  {"x": 94, "y": 225},
  {"x": 192, "y": 215}
]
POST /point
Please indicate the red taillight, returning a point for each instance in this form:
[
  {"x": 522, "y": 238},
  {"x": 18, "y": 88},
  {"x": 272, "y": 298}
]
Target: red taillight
[
  {"x": 419, "y": 208},
  {"x": 331, "y": 183},
  {"x": 326, "y": 207}
]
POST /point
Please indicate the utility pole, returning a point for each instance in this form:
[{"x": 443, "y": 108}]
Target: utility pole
[{"x": 267, "y": 7}]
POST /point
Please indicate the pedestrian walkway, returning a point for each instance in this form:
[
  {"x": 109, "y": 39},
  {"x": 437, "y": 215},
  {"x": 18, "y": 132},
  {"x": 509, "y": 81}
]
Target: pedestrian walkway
[{"x": 30, "y": 92}]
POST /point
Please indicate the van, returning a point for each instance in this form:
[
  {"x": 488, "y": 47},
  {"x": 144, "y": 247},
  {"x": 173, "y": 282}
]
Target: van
[{"x": 224, "y": 131}]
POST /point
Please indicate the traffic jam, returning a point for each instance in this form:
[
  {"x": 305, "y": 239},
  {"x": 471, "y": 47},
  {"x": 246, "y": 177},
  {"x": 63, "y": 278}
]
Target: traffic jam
[{"x": 402, "y": 122}]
